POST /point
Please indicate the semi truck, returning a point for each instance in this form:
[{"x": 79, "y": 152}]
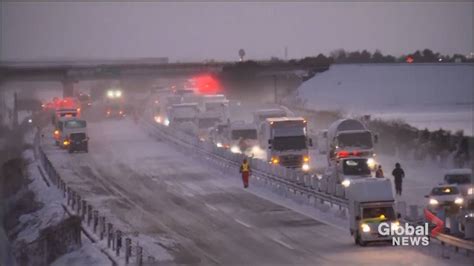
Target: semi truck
[
  {"x": 182, "y": 113},
  {"x": 259, "y": 117},
  {"x": 371, "y": 202},
  {"x": 350, "y": 137},
  {"x": 286, "y": 142},
  {"x": 75, "y": 135},
  {"x": 343, "y": 173}
]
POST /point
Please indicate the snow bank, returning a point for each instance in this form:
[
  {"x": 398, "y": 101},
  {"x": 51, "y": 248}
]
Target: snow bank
[{"x": 427, "y": 95}]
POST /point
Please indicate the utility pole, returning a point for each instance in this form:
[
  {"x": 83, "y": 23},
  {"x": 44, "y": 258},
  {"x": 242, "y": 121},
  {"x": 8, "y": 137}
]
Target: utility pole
[{"x": 275, "y": 88}]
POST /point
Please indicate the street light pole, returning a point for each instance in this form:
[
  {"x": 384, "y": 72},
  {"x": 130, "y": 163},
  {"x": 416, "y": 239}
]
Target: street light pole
[{"x": 275, "y": 88}]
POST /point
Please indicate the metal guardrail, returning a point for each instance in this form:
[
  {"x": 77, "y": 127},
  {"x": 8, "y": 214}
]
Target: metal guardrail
[
  {"x": 456, "y": 242},
  {"x": 306, "y": 185},
  {"x": 284, "y": 177},
  {"x": 120, "y": 244}
]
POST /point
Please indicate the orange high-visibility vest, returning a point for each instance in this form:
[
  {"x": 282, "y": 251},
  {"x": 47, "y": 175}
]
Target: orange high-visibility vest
[{"x": 245, "y": 167}]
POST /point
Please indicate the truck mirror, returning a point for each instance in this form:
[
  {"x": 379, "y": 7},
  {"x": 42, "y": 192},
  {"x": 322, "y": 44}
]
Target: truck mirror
[
  {"x": 357, "y": 218},
  {"x": 310, "y": 142}
]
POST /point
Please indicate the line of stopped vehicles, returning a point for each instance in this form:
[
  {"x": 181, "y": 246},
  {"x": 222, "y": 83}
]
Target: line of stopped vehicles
[{"x": 279, "y": 137}]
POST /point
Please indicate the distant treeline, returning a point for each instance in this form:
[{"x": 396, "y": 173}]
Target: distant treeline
[{"x": 424, "y": 56}]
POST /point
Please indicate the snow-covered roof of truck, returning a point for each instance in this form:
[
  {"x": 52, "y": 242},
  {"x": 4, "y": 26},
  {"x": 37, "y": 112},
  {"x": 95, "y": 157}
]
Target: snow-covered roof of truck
[
  {"x": 459, "y": 171},
  {"x": 370, "y": 190},
  {"x": 240, "y": 126},
  {"x": 185, "y": 105},
  {"x": 283, "y": 119},
  {"x": 269, "y": 111},
  {"x": 347, "y": 124}
]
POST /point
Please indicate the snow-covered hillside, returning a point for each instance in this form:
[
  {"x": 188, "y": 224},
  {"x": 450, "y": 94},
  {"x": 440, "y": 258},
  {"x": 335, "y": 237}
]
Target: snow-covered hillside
[{"x": 425, "y": 95}]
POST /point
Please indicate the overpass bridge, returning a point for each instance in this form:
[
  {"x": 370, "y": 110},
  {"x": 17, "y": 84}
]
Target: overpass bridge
[{"x": 70, "y": 72}]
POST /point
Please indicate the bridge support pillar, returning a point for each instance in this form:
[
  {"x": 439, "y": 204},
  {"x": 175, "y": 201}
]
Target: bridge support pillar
[{"x": 68, "y": 88}]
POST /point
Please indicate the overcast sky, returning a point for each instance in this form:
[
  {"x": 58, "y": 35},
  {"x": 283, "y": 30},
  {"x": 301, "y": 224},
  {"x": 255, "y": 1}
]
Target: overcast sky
[{"x": 198, "y": 31}]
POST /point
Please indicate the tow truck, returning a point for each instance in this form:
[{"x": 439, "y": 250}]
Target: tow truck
[{"x": 286, "y": 142}]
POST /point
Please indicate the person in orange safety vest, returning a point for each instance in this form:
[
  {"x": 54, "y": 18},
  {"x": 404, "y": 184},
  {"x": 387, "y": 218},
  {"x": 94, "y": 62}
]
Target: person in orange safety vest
[{"x": 245, "y": 170}]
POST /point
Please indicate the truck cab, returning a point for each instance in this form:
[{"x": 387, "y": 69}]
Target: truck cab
[
  {"x": 371, "y": 202},
  {"x": 344, "y": 172},
  {"x": 243, "y": 138},
  {"x": 259, "y": 118},
  {"x": 286, "y": 142},
  {"x": 74, "y": 135},
  {"x": 183, "y": 113},
  {"x": 350, "y": 137}
]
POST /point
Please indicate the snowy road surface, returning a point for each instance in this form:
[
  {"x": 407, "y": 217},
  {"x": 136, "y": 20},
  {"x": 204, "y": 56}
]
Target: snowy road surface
[{"x": 191, "y": 213}]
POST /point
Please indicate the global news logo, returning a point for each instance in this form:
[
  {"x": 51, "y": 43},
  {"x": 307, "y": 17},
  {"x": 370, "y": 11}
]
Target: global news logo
[{"x": 412, "y": 235}]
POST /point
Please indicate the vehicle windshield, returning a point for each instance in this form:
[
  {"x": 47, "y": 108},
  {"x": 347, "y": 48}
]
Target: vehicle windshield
[
  {"x": 84, "y": 97},
  {"x": 440, "y": 191},
  {"x": 216, "y": 106},
  {"x": 207, "y": 122},
  {"x": 77, "y": 136},
  {"x": 382, "y": 213},
  {"x": 244, "y": 134},
  {"x": 184, "y": 111},
  {"x": 355, "y": 167},
  {"x": 289, "y": 143},
  {"x": 115, "y": 107},
  {"x": 356, "y": 139},
  {"x": 289, "y": 131},
  {"x": 458, "y": 179},
  {"x": 75, "y": 124}
]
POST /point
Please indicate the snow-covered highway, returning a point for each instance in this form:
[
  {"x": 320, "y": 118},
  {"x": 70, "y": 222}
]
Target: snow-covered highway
[{"x": 188, "y": 212}]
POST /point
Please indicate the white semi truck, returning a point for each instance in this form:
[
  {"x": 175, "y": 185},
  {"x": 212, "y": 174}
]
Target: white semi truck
[
  {"x": 371, "y": 202},
  {"x": 182, "y": 113},
  {"x": 350, "y": 137},
  {"x": 259, "y": 118},
  {"x": 286, "y": 142}
]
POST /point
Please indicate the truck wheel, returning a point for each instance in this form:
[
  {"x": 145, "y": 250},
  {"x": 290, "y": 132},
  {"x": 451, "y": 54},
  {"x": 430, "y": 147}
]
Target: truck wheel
[{"x": 358, "y": 240}]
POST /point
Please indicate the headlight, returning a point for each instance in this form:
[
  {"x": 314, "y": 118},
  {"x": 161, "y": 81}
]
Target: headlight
[
  {"x": 469, "y": 215},
  {"x": 66, "y": 142},
  {"x": 56, "y": 132},
  {"x": 365, "y": 228},
  {"x": 118, "y": 94},
  {"x": 305, "y": 167},
  {"x": 158, "y": 119},
  {"x": 371, "y": 163},
  {"x": 469, "y": 191},
  {"x": 395, "y": 225},
  {"x": 167, "y": 122},
  {"x": 433, "y": 202},
  {"x": 110, "y": 94},
  {"x": 235, "y": 149},
  {"x": 305, "y": 159},
  {"x": 459, "y": 201},
  {"x": 346, "y": 182},
  {"x": 275, "y": 160},
  {"x": 219, "y": 145},
  {"x": 255, "y": 149}
]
